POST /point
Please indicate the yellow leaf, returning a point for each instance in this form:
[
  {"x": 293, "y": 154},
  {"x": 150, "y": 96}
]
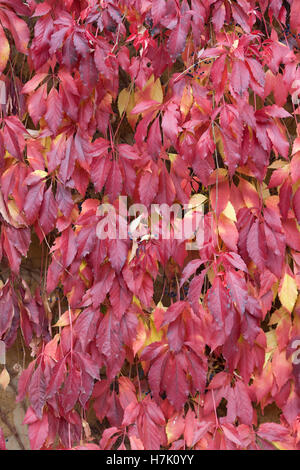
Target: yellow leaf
[
  {"x": 123, "y": 101},
  {"x": 271, "y": 340},
  {"x": 153, "y": 334},
  {"x": 41, "y": 173},
  {"x": 131, "y": 118},
  {"x": 172, "y": 157},
  {"x": 265, "y": 193},
  {"x": 186, "y": 100},
  {"x": 228, "y": 231},
  {"x": 279, "y": 164},
  {"x": 279, "y": 445},
  {"x": 4, "y": 379},
  {"x": 211, "y": 275},
  {"x": 249, "y": 193},
  {"x": 4, "y": 50},
  {"x": 157, "y": 92},
  {"x": 136, "y": 301},
  {"x": 17, "y": 219},
  {"x": 217, "y": 176},
  {"x": 288, "y": 292},
  {"x": 174, "y": 428},
  {"x": 196, "y": 200},
  {"x": 278, "y": 316},
  {"x": 141, "y": 337},
  {"x": 230, "y": 212},
  {"x": 81, "y": 273},
  {"x": 46, "y": 141},
  {"x": 82, "y": 265},
  {"x": 64, "y": 320}
]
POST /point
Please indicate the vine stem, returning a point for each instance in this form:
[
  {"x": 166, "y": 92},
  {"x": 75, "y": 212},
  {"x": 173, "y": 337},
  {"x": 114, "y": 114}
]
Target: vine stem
[
  {"x": 217, "y": 165},
  {"x": 137, "y": 375},
  {"x": 215, "y": 409}
]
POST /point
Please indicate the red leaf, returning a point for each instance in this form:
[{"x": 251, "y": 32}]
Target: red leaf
[
  {"x": 144, "y": 106},
  {"x": 81, "y": 44},
  {"x": 177, "y": 38},
  {"x": 131, "y": 413},
  {"x": 148, "y": 185},
  {"x": 154, "y": 138},
  {"x": 34, "y": 200},
  {"x": 158, "y": 10},
  {"x": 37, "y": 391},
  {"x": 114, "y": 181},
  {"x": 170, "y": 122},
  {"x": 48, "y": 212},
  {"x": 176, "y": 334},
  {"x": 279, "y": 142},
  {"x": 150, "y": 425},
  {"x": 85, "y": 327},
  {"x": 236, "y": 261},
  {"x": 100, "y": 168},
  {"x": 18, "y": 29},
  {"x": 240, "y": 77},
  {"x": 296, "y": 204},
  {"x": 71, "y": 390},
  {"x": 272, "y": 431},
  {"x": 37, "y": 104},
  {"x": 231, "y": 433},
  {"x": 109, "y": 343},
  {"x": 88, "y": 71},
  {"x": 240, "y": 16},
  {"x": 14, "y": 137},
  {"x": 237, "y": 289},
  {"x": 54, "y": 112},
  {"x": 117, "y": 251},
  {"x": 217, "y": 70},
  {"x": 97, "y": 293},
  {"x": 174, "y": 311},
  {"x": 87, "y": 364},
  {"x": 106, "y": 440},
  {"x": 217, "y": 301},
  {"x": 38, "y": 432},
  {"x": 190, "y": 269},
  {"x": 166, "y": 189},
  {"x": 6, "y": 309},
  {"x": 57, "y": 378},
  {"x": 285, "y": 197},
  {"x": 32, "y": 84},
  {"x": 156, "y": 372},
  {"x": 24, "y": 381},
  {"x": 68, "y": 161},
  {"x": 195, "y": 289},
  {"x": 256, "y": 245},
  {"x": 68, "y": 247},
  {"x": 4, "y": 49},
  {"x": 295, "y": 16},
  {"x": 219, "y": 17},
  {"x": 175, "y": 382},
  {"x": 64, "y": 200},
  {"x": 16, "y": 243},
  {"x": 2, "y": 440},
  {"x": 244, "y": 408}
]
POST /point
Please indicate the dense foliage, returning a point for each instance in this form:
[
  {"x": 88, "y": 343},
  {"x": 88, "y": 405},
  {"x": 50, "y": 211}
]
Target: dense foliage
[{"x": 162, "y": 101}]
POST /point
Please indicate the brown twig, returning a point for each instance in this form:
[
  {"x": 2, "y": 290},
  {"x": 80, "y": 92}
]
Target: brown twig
[{"x": 12, "y": 429}]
